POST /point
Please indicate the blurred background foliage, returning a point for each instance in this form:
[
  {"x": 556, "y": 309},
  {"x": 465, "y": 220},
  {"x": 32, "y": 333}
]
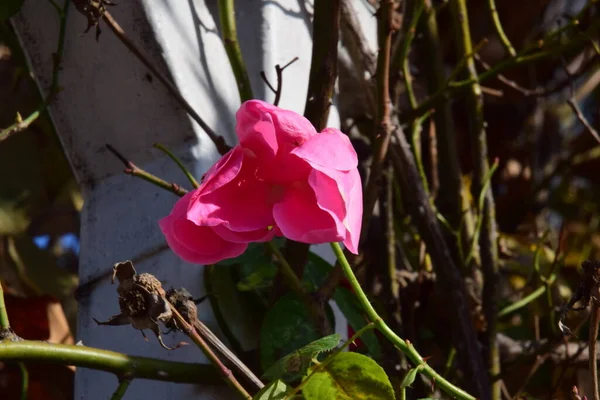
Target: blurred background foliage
[
  {"x": 39, "y": 228},
  {"x": 547, "y": 181}
]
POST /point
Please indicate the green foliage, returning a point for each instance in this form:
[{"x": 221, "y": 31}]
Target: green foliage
[
  {"x": 299, "y": 361},
  {"x": 275, "y": 390},
  {"x": 349, "y": 376},
  {"x": 287, "y": 327},
  {"x": 410, "y": 377},
  {"x": 8, "y": 8}
]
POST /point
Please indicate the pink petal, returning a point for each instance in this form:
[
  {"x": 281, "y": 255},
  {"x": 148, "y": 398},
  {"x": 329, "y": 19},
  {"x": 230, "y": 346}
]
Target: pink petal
[
  {"x": 222, "y": 172},
  {"x": 352, "y": 189},
  {"x": 329, "y": 149},
  {"x": 255, "y": 129},
  {"x": 199, "y": 245},
  {"x": 299, "y": 218},
  {"x": 241, "y": 205},
  {"x": 261, "y": 235}
]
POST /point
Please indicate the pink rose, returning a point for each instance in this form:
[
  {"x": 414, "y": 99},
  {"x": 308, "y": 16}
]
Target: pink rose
[{"x": 283, "y": 179}]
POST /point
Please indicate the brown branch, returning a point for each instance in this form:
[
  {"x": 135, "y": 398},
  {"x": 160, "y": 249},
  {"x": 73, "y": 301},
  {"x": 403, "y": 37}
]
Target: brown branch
[
  {"x": 218, "y": 140},
  {"x": 588, "y": 127},
  {"x": 323, "y": 74},
  {"x": 134, "y": 170},
  {"x": 279, "y": 71}
]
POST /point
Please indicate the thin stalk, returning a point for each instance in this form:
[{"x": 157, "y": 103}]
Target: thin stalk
[
  {"x": 109, "y": 361},
  {"x": 232, "y": 47},
  {"x": 134, "y": 170},
  {"x": 402, "y": 345},
  {"x": 593, "y": 341},
  {"x": 481, "y": 176},
  {"x": 177, "y": 161},
  {"x": 24, "y": 381},
  {"x": 499, "y": 30},
  {"x": 4, "y": 322},
  {"x": 121, "y": 389}
]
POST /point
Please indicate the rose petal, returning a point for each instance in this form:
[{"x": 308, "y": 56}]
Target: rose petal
[
  {"x": 329, "y": 149},
  {"x": 299, "y": 218},
  {"x": 255, "y": 129},
  {"x": 223, "y": 172},
  {"x": 241, "y": 205},
  {"x": 352, "y": 190},
  {"x": 199, "y": 245},
  {"x": 261, "y": 235}
]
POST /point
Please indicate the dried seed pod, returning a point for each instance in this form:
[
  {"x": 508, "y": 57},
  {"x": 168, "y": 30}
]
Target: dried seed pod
[
  {"x": 141, "y": 301},
  {"x": 184, "y": 303}
]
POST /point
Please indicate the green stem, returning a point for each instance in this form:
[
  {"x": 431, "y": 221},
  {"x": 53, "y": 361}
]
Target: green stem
[
  {"x": 404, "y": 346},
  {"x": 24, "y": 381},
  {"x": 4, "y": 323},
  {"x": 499, "y": 30},
  {"x": 177, "y": 161},
  {"x": 121, "y": 389},
  {"x": 232, "y": 47},
  {"x": 486, "y": 232},
  {"x": 103, "y": 360}
]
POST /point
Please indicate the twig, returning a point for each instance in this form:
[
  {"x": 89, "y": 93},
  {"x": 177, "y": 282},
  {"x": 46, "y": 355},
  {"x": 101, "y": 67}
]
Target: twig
[
  {"x": 232, "y": 47},
  {"x": 588, "y": 127},
  {"x": 22, "y": 124},
  {"x": 499, "y": 30},
  {"x": 121, "y": 389},
  {"x": 214, "y": 341},
  {"x": 593, "y": 342},
  {"x": 4, "y": 322},
  {"x": 119, "y": 364},
  {"x": 177, "y": 161},
  {"x": 134, "y": 170},
  {"x": 279, "y": 71},
  {"x": 219, "y": 141},
  {"x": 224, "y": 372},
  {"x": 402, "y": 345}
]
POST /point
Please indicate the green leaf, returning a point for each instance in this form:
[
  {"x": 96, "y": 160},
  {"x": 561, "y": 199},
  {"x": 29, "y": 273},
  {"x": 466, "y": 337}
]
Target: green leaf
[
  {"x": 299, "y": 361},
  {"x": 260, "y": 278},
  {"x": 349, "y": 376},
  {"x": 316, "y": 271},
  {"x": 275, "y": 390},
  {"x": 8, "y": 8},
  {"x": 351, "y": 309},
  {"x": 287, "y": 327},
  {"x": 410, "y": 377}
]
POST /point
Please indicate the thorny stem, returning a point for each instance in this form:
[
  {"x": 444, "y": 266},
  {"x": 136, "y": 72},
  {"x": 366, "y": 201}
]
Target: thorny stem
[
  {"x": 130, "y": 367},
  {"x": 499, "y": 30},
  {"x": 224, "y": 372},
  {"x": 383, "y": 124},
  {"x": 322, "y": 77},
  {"x": 321, "y": 366},
  {"x": 177, "y": 161},
  {"x": 232, "y": 47},
  {"x": 402, "y": 345},
  {"x": 481, "y": 176},
  {"x": 134, "y": 170},
  {"x": 121, "y": 389},
  {"x": 219, "y": 141},
  {"x": 20, "y": 124}
]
